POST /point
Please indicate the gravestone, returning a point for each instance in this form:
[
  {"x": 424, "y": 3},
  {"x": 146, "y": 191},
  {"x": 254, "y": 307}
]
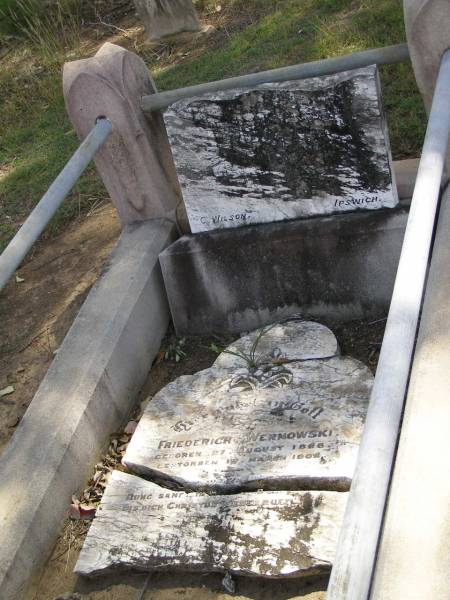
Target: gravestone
[
  {"x": 167, "y": 17},
  {"x": 140, "y": 525},
  {"x": 282, "y": 151},
  {"x": 286, "y": 423}
]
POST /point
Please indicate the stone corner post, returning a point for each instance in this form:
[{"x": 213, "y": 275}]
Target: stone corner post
[
  {"x": 428, "y": 34},
  {"x": 136, "y": 162}
]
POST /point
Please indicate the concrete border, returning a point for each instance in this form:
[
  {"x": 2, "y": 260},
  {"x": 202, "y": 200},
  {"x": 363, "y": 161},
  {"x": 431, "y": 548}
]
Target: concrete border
[
  {"x": 87, "y": 392},
  {"x": 414, "y": 552}
]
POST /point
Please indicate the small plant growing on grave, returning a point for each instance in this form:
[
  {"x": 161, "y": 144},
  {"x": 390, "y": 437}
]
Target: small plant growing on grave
[
  {"x": 175, "y": 350},
  {"x": 250, "y": 358},
  {"x": 262, "y": 371}
]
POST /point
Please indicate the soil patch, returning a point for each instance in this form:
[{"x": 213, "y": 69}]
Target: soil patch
[{"x": 36, "y": 313}]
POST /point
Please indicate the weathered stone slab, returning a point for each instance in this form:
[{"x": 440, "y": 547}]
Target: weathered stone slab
[
  {"x": 236, "y": 280},
  {"x": 292, "y": 340},
  {"x": 271, "y": 534},
  {"x": 282, "y": 151},
  {"x": 281, "y": 426},
  {"x": 167, "y": 17}
]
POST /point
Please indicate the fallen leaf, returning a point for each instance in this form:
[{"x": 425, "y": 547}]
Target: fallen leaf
[
  {"x": 87, "y": 511},
  {"x": 6, "y": 391},
  {"x": 19, "y": 279},
  {"x": 74, "y": 511}
]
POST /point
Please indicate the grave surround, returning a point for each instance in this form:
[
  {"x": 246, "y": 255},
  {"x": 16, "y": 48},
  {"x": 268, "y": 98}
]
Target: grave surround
[{"x": 283, "y": 151}]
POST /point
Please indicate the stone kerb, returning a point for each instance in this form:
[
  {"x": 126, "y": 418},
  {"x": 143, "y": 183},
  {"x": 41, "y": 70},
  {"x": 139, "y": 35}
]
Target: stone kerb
[{"x": 136, "y": 162}]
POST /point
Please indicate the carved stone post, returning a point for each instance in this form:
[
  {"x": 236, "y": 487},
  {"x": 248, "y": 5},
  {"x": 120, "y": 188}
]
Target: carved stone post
[
  {"x": 428, "y": 33},
  {"x": 167, "y": 17},
  {"x": 136, "y": 162}
]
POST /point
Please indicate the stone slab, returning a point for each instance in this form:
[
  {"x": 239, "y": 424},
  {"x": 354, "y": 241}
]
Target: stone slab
[
  {"x": 414, "y": 555},
  {"x": 294, "y": 426},
  {"x": 270, "y": 534},
  {"x": 282, "y": 151},
  {"x": 333, "y": 268},
  {"x": 167, "y": 17},
  {"x": 292, "y": 340},
  {"x": 87, "y": 392}
]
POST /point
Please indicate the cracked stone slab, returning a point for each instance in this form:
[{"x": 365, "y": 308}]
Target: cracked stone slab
[
  {"x": 292, "y": 340},
  {"x": 290, "y": 426},
  {"x": 282, "y": 151},
  {"x": 271, "y": 534}
]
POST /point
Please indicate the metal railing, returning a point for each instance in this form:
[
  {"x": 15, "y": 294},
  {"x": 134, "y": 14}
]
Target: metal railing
[
  {"x": 38, "y": 219},
  {"x": 354, "y": 565},
  {"x": 377, "y": 56}
]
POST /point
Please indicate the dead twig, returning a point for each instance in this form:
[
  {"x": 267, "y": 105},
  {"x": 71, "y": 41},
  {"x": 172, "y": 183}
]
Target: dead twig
[{"x": 144, "y": 589}]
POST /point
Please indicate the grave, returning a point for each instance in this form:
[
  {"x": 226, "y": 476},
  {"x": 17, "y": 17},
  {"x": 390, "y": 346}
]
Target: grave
[
  {"x": 270, "y": 534},
  {"x": 249, "y": 463},
  {"x": 282, "y": 151}
]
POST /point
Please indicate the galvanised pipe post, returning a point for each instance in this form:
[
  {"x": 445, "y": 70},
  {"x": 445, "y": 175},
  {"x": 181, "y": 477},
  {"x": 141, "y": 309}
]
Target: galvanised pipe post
[
  {"x": 328, "y": 66},
  {"x": 357, "y": 547}
]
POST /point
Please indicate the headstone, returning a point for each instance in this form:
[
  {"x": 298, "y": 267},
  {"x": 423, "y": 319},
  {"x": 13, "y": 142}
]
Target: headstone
[
  {"x": 136, "y": 162},
  {"x": 279, "y": 424},
  {"x": 142, "y": 526},
  {"x": 292, "y": 340},
  {"x": 167, "y": 17},
  {"x": 282, "y": 151}
]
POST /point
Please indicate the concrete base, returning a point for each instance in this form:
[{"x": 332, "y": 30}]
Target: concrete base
[
  {"x": 340, "y": 267},
  {"x": 86, "y": 394},
  {"x": 414, "y": 556}
]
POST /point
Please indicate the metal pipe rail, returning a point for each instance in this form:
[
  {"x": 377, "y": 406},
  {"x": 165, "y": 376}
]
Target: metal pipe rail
[
  {"x": 328, "y": 66},
  {"x": 354, "y": 564},
  {"x": 38, "y": 219}
]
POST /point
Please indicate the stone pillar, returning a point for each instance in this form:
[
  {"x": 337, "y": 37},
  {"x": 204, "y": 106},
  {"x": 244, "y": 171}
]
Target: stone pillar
[
  {"x": 428, "y": 34},
  {"x": 136, "y": 162},
  {"x": 167, "y": 17}
]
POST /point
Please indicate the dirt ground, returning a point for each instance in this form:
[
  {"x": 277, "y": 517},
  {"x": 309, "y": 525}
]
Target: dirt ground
[{"x": 36, "y": 313}]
